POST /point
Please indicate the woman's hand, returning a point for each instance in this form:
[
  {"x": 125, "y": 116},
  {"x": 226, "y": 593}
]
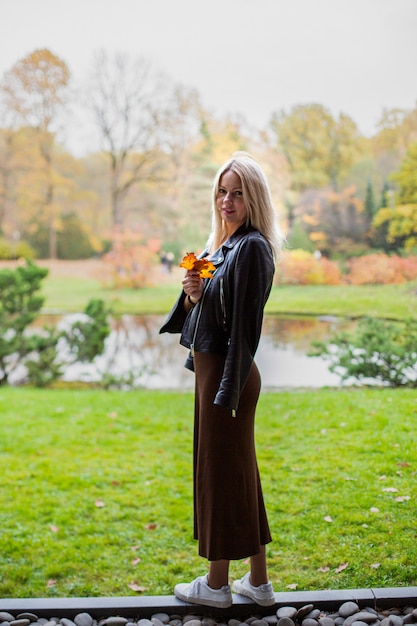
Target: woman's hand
[{"x": 193, "y": 285}]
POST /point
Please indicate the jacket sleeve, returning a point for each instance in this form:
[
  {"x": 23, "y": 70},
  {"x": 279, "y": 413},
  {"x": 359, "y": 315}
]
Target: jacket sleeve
[
  {"x": 251, "y": 285},
  {"x": 176, "y": 318}
]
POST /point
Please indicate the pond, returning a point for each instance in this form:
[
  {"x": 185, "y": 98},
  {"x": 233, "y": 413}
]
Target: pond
[{"x": 136, "y": 349}]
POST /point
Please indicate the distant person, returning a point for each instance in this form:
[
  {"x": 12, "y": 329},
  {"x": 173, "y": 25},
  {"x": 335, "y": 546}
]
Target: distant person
[
  {"x": 220, "y": 320},
  {"x": 169, "y": 261},
  {"x": 163, "y": 259}
]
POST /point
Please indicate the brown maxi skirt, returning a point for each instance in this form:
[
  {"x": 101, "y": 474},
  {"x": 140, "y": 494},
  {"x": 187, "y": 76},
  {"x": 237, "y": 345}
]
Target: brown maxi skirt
[{"x": 230, "y": 520}]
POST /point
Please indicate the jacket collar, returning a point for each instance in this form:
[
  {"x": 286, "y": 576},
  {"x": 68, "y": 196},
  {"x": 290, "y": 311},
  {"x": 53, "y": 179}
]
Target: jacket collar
[{"x": 218, "y": 256}]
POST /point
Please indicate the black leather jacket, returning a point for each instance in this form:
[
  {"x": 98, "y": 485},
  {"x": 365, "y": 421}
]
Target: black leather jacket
[{"x": 228, "y": 317}]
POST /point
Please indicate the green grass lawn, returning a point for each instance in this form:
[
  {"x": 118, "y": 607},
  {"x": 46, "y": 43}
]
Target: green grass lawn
[
  {"x": 96, "y": 487},
  {"x": 384, "y": 301},
  {"x": 96, "y": 490},
  {"x": 387, "y": 301}
]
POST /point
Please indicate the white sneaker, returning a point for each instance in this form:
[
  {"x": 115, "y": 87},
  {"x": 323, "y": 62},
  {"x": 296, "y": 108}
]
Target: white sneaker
[
  {"x": 262, "y": 595},
  {"x": 199, "y": 592}
]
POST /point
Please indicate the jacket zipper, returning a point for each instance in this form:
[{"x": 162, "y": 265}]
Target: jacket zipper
[
  {"x": 222, "y": 305},
  {"x": 197, "y": 321}
]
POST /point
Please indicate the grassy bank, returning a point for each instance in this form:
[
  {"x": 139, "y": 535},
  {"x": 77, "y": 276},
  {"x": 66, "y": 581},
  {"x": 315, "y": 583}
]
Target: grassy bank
[
  {"x": 69, "y": 291},
  {"x": 96, "y": 490}
]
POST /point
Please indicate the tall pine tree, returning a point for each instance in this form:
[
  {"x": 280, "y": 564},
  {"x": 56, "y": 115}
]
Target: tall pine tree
[{"x": 369, "y": 203}]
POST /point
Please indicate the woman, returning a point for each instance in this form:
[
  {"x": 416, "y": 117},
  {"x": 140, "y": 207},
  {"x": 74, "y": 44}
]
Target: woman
[{"x": 220, "y": 320}]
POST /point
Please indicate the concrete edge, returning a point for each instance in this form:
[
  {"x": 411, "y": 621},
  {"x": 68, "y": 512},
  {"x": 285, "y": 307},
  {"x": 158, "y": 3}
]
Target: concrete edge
[{"x": 146, "y": 606}]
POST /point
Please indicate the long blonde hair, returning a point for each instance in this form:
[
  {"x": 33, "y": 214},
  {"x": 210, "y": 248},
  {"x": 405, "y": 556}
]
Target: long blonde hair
[{"x": 258, "y": 203}]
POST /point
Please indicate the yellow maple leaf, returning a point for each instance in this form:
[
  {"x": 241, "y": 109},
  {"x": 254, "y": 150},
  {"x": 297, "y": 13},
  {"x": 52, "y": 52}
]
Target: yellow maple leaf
[{"x": 204, "y": 266}]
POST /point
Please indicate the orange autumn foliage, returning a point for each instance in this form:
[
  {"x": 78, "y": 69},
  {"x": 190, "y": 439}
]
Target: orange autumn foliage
[
  {"x": 204, "y": 266},
  {"x": 380, "y": 269},
  {"x": 299, "y": 267},
  {"x": 131, "y": 259}
]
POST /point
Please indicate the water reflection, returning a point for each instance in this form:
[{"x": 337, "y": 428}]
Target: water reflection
[
  {"x": 282, "y": 354},
  {"x": 135, "y": 349}
]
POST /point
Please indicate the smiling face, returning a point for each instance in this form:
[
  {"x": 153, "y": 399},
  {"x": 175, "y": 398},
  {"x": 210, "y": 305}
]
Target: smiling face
[{"x": 230, "y": 202}]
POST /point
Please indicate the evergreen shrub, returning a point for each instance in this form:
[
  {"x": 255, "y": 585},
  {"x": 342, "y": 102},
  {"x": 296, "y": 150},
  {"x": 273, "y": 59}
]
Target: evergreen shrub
[
  {"x": 38, "y": 357},
  {"x": 10, "y": 250},
  {"x": 379, "y": 350}
]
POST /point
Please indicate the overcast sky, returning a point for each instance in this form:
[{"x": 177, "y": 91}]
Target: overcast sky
[{"x": 248, "y": 56}]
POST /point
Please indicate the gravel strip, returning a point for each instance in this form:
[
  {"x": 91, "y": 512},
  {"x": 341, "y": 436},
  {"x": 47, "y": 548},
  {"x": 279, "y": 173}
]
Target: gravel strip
[{"x": 348, "y": 614}]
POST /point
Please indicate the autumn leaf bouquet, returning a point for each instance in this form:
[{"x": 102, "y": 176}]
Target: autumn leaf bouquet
[{"x": 203, "y": 266}]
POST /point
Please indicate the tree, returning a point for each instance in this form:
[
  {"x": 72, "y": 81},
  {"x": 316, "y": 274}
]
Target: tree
[
  {"x": 406, "y": 177},
  {"x": 298, "y": 238},
  {"x": 397, "y": 128},
  {"x": 319, "y": 149},
  {"x": 334, "y": 220},
  {"x": 178, "y": 131},
  {"x": 369, "y": 203},
  {"x": 20, "y": 304},
  {"x": 377, "y": 351},
  {"x": 13, "y": 161},
  {"x": 38, "y": 352},
  {"x": 124, "y": 98},
  {"x": 398, "y": 226},
  {"x": 7, "y": 175},
  {"x": 35, "y": 90},
  {"x": 72, "y": 239},
  {"x": 385, "y": 195}
]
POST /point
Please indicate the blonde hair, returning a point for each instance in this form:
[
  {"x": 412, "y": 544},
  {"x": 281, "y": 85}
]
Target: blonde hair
[{"x": 258, "y": 203}]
